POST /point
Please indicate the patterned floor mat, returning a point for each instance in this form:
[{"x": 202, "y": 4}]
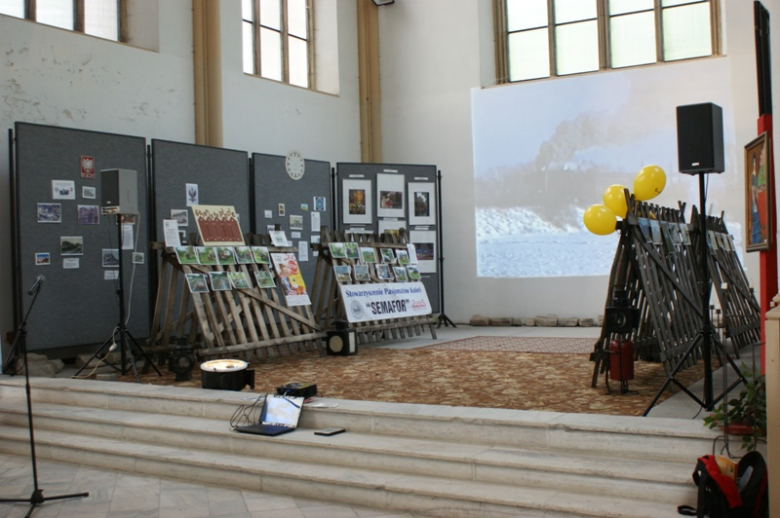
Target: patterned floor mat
[{"x": 519, "y": 344}]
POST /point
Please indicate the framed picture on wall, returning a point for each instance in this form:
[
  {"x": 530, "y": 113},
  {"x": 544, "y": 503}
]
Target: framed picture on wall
[
  {"x": 390, "y": 190},
  {"x": 422, "y": 204},
  {"x": 758, "y": 191},
  {"x": 356, "y": 202}
]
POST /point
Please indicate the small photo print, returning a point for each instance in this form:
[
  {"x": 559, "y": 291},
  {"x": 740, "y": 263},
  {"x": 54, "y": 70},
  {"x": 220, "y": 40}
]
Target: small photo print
[
  {"x": 387, "y": 255},
  {"x": 342, "y": 273},
  {"x": 424, "y": 251},
  {"x": 88, "y": 193},
  {"x": 400, "y": 274},
  {"x": 186, "y": 254},
  {"x": 63, "y": 190},
  {"x": 244, "y": 255},
  {"x": 357, "y": 201},
  {"x": 304, "y": 207},
  {"x": 206, "y": 255},
  {"x": 403, "y": 257},
  {"x": 422, "y": 204},
  {"x": 280, "y": 209},
  {"x": 391, "y": 199},
  {"x": 72, "y": 245},
  {"x": 337, "y": 250},
  {"x": 264, "y": 279},
  {"x": 319, "y": 203},
  {"x": 352, "y": 250},
  {"x": 138, "y": 258},
  {"x": 88, "y": 215},
  {"x": 239, "y": 280},
  {"x": 383, "y": 272},
  {"x": 192, "y": 196},
  {"x": 42, "y": 259},
  {"x": 368, "y": 254},
  {"x": 261, "y": 254},
  {"x": 110, "y": 258},
  {"x": 226, "y": 255},
  {"x": 278, "y": 238},
  {"x": 181, "y": 216},
  {"x": 296, "y": 222},
  {"x": 361, "y": 273},
  {"x": 413, "y": 271},
  {"x": 197, "y": 282},
  {"x": 219, "y": 281},
  {"x": 50, "y": 213}
]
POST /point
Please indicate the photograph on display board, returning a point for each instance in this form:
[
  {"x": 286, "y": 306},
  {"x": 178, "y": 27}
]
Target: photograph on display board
[
  {"x": 361, "y": 273},
  {"x": 88, "y": 193},
  {"x": 225, "y": 255},
  {"x": 387, "y": 255},
  {"x": 261, "y": 254},
  {"x": 278, "y": 238},
  {"x": 71, "y": 245},
  {"x": 391, "y": 226},
  {"x": 110, "y": 258},
  {"x": 422, "y": 205},
  {"x": 368, "y": 254},
  {"x": 63, "y": 190},
  {"x": 182, "y": 217},
  {"x": 42, "y": 259},
  {"x": 342, "y": 272},
  {"x": 319, "y": 203},
  {"x": 186, "y": 254},
  {"x": 219, "y": 281},
  {"x": 413, "y": 271},
  {"x": 425, "y": 249},
  {"x": 217, "y": 225},
  {"x": 197, "y": 282},
  {"x": 244, "y": 255},
  {"x": 383, "y": 272},
  {"x": 400, "y": 273},
  {"x": 402, "y": 256},
  {"x": 264, "y": 279},
  {"x": 207, "y": 256},
  {"x": 88, "y": 215},
  {"x": 338, "y": 250},
  {"x": 391, "y": 189},
  {"x": 239, "y": 280},
  {"x": 296, "y": 222},
  {"x": 50, "y": 213},
  {"x": 290, "y": 279},
  {"x": 352, "y": 250},
  {"x": 758, "y": 192},
  {"x": 356, "y": 202}
]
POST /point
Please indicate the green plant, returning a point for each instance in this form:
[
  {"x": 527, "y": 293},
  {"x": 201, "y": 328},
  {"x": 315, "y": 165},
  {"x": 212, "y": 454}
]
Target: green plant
[{"x": 747, "y": 411}]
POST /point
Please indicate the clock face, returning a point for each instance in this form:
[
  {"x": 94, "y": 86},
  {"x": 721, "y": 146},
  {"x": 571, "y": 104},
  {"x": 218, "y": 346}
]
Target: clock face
[{"x": 295, "y": 165}]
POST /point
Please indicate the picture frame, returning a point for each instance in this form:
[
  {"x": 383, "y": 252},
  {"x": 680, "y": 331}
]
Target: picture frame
[
  {"x": 390, "y": 195},
  {"x": 758, "y": 192},
  {"x": 356, "y": 202},
  {"x": 422, "y": 203}
]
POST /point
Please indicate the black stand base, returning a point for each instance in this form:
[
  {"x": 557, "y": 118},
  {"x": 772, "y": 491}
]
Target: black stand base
[
  {"x": 444, "y": 319},
  {"x": 125, "y": 348},
  {"x": 37, "y": 499}
]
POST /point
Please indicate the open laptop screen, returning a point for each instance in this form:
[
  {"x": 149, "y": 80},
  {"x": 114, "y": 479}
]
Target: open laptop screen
[{"x": 281, "y": 410}]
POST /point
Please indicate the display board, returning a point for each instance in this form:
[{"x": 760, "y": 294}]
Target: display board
[
  {"x": 61, "y": 234},
  {"x": 299, "y": 201},
  {"x": 380, "y": 198},
  {"x": 186, "y": 174}
]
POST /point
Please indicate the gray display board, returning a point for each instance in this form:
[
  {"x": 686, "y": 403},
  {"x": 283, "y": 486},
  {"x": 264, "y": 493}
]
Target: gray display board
[
  {"x": 188, "y": 174},
  {"x": 61, "y": 234},
  {"x": 375, "y": 198},
  {"x": 299, "y": 206}
]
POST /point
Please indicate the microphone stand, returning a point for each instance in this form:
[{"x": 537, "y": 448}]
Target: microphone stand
[{"x": 20, "y": 345}]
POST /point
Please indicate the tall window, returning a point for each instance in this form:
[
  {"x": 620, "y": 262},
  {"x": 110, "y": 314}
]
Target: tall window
[
  {"x": 101, "y": 18},
  {"x": 277, "y": 40},
  {"x": 548, "y": 38}
]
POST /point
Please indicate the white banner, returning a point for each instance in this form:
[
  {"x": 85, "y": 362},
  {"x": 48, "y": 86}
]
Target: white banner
[{"x": 365, "y": 302}]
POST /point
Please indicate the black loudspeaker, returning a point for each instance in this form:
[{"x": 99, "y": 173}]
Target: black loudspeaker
[
  {"x": 342, "y": 342},
  {"x": 119, "y": 191},
  {"x": 700, "y": 138}
]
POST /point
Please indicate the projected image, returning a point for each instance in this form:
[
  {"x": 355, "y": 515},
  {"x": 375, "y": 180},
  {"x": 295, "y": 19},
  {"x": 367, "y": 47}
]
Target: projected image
[{"x": 544, "y": 152}]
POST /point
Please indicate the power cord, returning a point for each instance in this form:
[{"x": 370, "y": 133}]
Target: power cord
[{"x": 248, "y": 414}]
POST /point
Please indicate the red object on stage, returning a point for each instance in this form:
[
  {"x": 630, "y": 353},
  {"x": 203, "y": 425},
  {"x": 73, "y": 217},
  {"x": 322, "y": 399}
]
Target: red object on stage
[
  {"x": 768, "y": 258},
  {"x": 621, "y": 360}
]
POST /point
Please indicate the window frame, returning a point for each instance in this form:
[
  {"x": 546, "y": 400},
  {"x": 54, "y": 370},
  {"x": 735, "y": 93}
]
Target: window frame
[
  {"x": 500, "y": 23},
  {"x": 285, "y": 50},
  {"x": 79, "y": 18}
]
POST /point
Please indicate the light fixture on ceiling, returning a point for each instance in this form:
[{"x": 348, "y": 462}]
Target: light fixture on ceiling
[{"x": 380, "y": 3}]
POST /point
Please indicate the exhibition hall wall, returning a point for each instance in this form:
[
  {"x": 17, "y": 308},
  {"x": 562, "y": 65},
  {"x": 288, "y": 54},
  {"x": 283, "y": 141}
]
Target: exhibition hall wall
[{"x": 438, "y": 98}]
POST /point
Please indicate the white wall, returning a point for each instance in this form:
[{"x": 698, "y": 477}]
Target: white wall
[{"x": 432, "y": 54}]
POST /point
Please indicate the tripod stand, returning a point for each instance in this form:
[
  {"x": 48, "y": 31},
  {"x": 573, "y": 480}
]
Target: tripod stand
[
  {"x": 19, "y": 348},
  {"x": 704, "y": 337},
  {"x": 125, "y": 338},
  {"x": 443, "y": 318}
]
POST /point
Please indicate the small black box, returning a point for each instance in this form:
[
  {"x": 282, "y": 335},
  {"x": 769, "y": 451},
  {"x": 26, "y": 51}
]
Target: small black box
[{"x": 304, "y": 390}]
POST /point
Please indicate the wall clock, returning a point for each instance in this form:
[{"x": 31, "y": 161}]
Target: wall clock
[{"x": 295, "y": 165}]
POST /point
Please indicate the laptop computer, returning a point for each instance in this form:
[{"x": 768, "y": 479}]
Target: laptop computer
[{"x": 279, "y": 415}]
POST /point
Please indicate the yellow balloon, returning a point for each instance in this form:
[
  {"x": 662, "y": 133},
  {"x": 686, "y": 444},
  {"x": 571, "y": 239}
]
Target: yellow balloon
[
  {"x": 615, "y": 199},
  {"x": 649, "y": 182},
  {"x": 600, "y": 220}
]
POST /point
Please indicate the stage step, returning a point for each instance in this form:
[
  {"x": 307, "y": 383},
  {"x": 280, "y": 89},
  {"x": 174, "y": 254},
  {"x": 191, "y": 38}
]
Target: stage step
[{"x": 436, "y": 460}]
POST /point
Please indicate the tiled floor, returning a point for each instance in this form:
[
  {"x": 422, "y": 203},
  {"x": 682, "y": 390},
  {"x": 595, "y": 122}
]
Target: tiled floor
[{"x": 113, "y": 494}]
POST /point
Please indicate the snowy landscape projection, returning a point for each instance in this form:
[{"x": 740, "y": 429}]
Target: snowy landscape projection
[{"x": 545, "y": 151}]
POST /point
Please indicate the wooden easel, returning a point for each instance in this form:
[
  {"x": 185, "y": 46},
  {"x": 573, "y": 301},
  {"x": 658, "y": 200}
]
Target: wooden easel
[
  {"x": 251, "y": 322},
  {"x": 328, "y": 307}
]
